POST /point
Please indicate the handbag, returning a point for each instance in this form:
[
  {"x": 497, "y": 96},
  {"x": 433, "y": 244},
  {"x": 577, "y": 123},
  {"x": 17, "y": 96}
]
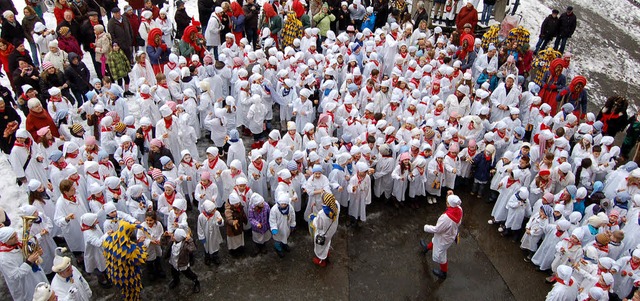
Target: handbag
[
  {"x": 436, "y": 184},
  {"x": 320, "y": 238}
]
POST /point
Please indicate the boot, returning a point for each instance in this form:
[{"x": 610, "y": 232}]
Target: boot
[
  {"x": 196, "y": 287},
  {"x": 424, "y": 248},
  {"x": 103, "y": 281},
  {"x": 278, "y": 248},
  {"x": 263, "y": 249},
  {"x": 256, "y": 251},
  {"x": 174, "y": 282},
  {"x": 215, "y": 259},
  {"x": 440, "y": 274},
  {"x": 207, "y": 259},
  {"x": 286, "y": 248}
]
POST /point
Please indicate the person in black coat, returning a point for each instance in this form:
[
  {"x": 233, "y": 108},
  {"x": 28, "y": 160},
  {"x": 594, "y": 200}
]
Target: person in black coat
[
  {"x": 420, "y": 14},
  {"x": 20, "y": 52},
  {"x": 54, "y": 78},
  {"x": 89, "y": 37},
  {"x": 344, "y": 17},
  {"x": 139, "y": 140},
  {"x": 121, "y": 32},
  {"x": 548, "y": 30},
  {"x": 11, "y": 29},
  {"x": 79, "y": 77},
  {"x": 381, "y": 8},
  {"x": 74, "y": 26},
  {"x": 205, "y": 9},
  {"x": 9, "y": 123},
  {"x": 182, "y": 19},
  {"x": 156, "y": 153},
  {"x": 251, "y": 12},
  {"x": 566, "y": 28},
  {"x": 25, "y": 74}
]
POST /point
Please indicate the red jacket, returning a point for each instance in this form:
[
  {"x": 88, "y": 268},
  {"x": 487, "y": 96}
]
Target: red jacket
[
  {"x": 70, "y": 44},
  {"x": 36, "y": 121},
  {"x": 467, "y": 15}
]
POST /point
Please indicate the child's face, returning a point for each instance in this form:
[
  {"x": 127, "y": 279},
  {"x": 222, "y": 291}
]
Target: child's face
[
  {"x": 542, "y": 214},
  {"x": 177, "y": 210},
  {"x": 168, "y": 190},
  {"x": 113, "y": 214},
  {"x": 150, "y": 221}
]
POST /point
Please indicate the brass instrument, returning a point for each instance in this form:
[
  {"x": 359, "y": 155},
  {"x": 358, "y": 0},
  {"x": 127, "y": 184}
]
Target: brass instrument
[{"x": 29, "y": 243}]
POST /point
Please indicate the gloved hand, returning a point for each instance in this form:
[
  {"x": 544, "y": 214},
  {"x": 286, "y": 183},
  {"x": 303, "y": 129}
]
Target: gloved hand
[
  {"x": 553, "y": 87},
  {"x": 92, "y": 45},
  {"x": 274, "y": 231}
]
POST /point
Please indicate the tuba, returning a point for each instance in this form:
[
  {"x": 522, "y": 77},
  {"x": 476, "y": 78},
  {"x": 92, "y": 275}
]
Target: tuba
[{"x": 29, "y": 243}]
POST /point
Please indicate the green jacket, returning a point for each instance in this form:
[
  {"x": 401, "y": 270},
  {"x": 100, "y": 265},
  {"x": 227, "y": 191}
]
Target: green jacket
[
  {"x": 275, "y": 24},
  {"x": 306, "y": 21},
  {"x": 119, "y": 65},
  {"x": 323, "y": 22},
  {"x": 185, "y": 49}
]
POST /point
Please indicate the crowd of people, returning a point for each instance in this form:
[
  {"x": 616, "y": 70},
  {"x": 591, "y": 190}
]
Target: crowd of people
[{"x": 308, "y": 112}]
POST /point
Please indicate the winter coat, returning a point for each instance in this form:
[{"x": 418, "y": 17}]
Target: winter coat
[
  {"x": 121, "y": 33},
  {"x": 550, "y": 27},
  {"x": 323, "y": 22},
  {"x": 13, "y": 33},
  {"x": 157, "y": 54},
  {"x": 103, "y": 46},
  {"x": 212, "y": 32},
  {"x": 567, "y": 25},
  {"x": 79, "y": 77},
  {"x": 251, "y": 15},
  {"x": 119, "y": 65},
  {"x": 17, "y": 55},
  {"x": 182, "y": 21},
  {"x": 87, "y": 34},
  {"x": 483, "y": 167},
  {"x": 467, "y": 15},
  {"x": 47, "y": 81},
  {"x": 231, "y": 215},
  {"x": 69, "y": 44}
]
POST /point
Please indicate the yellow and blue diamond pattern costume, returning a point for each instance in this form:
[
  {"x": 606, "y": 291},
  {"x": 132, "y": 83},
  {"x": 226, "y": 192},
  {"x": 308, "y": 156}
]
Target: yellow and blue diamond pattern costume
[{"x": 124, "y": 256}]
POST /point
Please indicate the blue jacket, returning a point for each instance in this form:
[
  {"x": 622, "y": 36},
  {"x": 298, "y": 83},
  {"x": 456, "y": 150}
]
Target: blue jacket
[
  {"x": 483, "y": 167},
  {"x": 158, "y": 56}
]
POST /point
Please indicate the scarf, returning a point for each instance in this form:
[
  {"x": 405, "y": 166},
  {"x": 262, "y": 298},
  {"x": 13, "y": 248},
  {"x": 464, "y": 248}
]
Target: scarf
[
  {"x": 99, "y": 200},
  {"x": 559, "y": 233},
  {"x": 440, "y": 167},
  {"x": 84, "y": 227},
  {"x": 168, "y": 122},
  {"x": 511, "y": 182},
  {"x": 170, "y": 199},
  {"x": 258, "y": 164},
  {"x": 212, "y": 164},
  {"x": 188, "y": 163},
  {"x": 60, "y": 165},
  {"x": 208, "y": 215},
  {"x": 7, "y": 248},
  {"x": 70, "y": 199}
]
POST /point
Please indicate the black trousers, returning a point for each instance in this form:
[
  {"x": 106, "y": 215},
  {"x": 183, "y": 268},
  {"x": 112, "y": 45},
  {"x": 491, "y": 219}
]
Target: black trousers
[{"x": 175, "y": 274}]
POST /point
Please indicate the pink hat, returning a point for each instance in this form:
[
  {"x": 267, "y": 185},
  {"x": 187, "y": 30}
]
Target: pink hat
[
  {"x": 47, "y": 65},
  {"x": 454, "y": 147},
  {"x": 156, "y": 173},
  {"x": 472, "y": 142},
  {"x": 128, "y": 159},
  {"x": 172, "y": 184},
  {"x": 43, "y": 131},
  {"x": 208, "y": 59},
  {"x": 156, "y": 142},
  {"x": 404, "y": 156},
  {"x": 237, "y": 61},
  {"x": 91, "y": 140},
  {"x": 205, "y": 175},
  {"x": 113, "y": 115},
  {"x": 172, "y": 105}
]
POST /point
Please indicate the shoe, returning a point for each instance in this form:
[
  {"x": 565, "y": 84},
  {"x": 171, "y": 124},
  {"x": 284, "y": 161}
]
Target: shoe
[
  {"x": 500, "y": 229},
  {"x": 215, "y": 259},
  {"x": 286, "y": 248},
  {"x": 423, "y": 244},
  {"x": 440, "y": 274},
  {"x": 196, "y": 287},
  {"x": 207, "y": 260},
  {"x": 435, "y": 200},
  {"x": 491, "y": 222},
  {"x": 551, "y": 279},
  {"x": 280, "y": 254},
  {"x": 527, "y": 259},
  {"x": 128, "y": 93},
  {"x": 472, "y": 193}
]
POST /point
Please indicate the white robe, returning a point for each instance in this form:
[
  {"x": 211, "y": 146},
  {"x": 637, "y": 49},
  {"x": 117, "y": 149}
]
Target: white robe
[
  {"x": 155, "y": 234},
  {"x": 444, "y": 235},
  {"x": 383, "y": 178},
  {"x": 323, "y": 225},
  {"x": 93, "y": 256},
  {"x": 46, "y": 242},
  {"x": 71, "y": 229},
  {"x": 34, "y": 169},
  {"x": 359, "y": 197},
  {"x": 257, "y": 179},
  {"x": 78, "y": 289},
  {"x": 400, "y": 182},
  {"x": 536, "y": 226},
  {"x": 545, "y": 254},
  {"x": 209, "y": 193},
  {"x": 209, "y": 231},
  {"x": 314, "y": 203},
  {"x": 20, "y": 278},
  {"x": 172, "y": 142},
  {"x": 500, "y": 211},
  {"x": 516, "y": 211},
  {"x": 433, "y": 175},
  {"x": 282, "y": 223},
  {"x": 561, "y": 292}
]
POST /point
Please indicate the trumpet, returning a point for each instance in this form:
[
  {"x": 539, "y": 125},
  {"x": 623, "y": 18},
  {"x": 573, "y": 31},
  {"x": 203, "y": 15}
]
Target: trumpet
[{"x": 29, "y": 242}]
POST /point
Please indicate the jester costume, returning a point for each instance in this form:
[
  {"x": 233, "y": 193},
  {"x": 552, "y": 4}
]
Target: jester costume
[
  {"x": 124, "y": 257},
  {"x": 292, "y": 29},
  {"x": 541, "y": 64}
]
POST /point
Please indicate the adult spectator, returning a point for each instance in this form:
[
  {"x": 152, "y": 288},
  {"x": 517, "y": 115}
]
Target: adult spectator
[
  {"x": 344, "y": 17},
  {"x": 67, "y": 42},
  {"x": 566, "y": 28},
  {"x": 323, "y": 21},
  {"x": 52, "y": 77},
  {"x": 79, "y": 77},
  {"x": 120, "y": 32},
  {"x": 80, "y": 10},
  {"x": 7, "y": 5},
  {"x": 28, "y": 24},
  {"x": 134, "y": 22},
  {"x": 25, "y": 74},
  {"x": 381, "y": 7},
  {"x": 237, "y": 18},
  {"x": 467, "y": 15},
  {"x": 487, "y": 10},
  {"x": 438, "y": 8},
  {"x": 157, "y": 50},
  {"x": 154, "y": 9},
  {"x": 182, "y": 19},
  {"x": 9, "y": 123},
  {"x": 251, "y": 12},
  {"x": 38, "y": 118},
  {"x": 19, "y": 53},
  {"x": 205, "y": 9},
  {"x": 6, "y": 49},
  {"x": 60, "y": 6},
  {"x": 548, "y": 30},
  {"x": 89, "y": 37},
  {"x": 357, "y": 11},
  {"x": 212, "y": 33},
  {"x": 420, "y": 14},
  {"x": 70, "y": 22},
  {"x": 11, "y": 29}
]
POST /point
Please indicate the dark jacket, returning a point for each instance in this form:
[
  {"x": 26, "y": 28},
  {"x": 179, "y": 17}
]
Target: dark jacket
[
  {"x": 567, "y": 25},
  {"x": 87, "y": 36},
  {"x": 231, "y": 214},
  {"x": 12, "y": 32},
  {"x": 17, "y": 55},
  {"x": 182, "y": 21},
  {"x": 251, "y": 16},
  {"x": 154, "y": 158},
  {"x": 78, "y": 75},
  {"x": 187, "y": 248},
  {"x": 121, "y": 32},
  {"x": 344, "y": 19},
  {"x": 27, "y": 26},
  {"x": 550, "y": 26},
  {"x": 53, "y": 80},
  {"x": 140, "y": 141},
  {"x": 7, "y": 116},
  {"x": 205, "y": 9},
  {"x": 19, "y": 80},
  {"x": 74, "y": 28},
  {"x": 483, "y": 167},
  {"x": 419, "y": 16}
]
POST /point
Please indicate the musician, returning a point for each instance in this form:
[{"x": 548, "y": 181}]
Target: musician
[
  {"x": 68, "y": 284},
  {"x": 21, "y": 274}
]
